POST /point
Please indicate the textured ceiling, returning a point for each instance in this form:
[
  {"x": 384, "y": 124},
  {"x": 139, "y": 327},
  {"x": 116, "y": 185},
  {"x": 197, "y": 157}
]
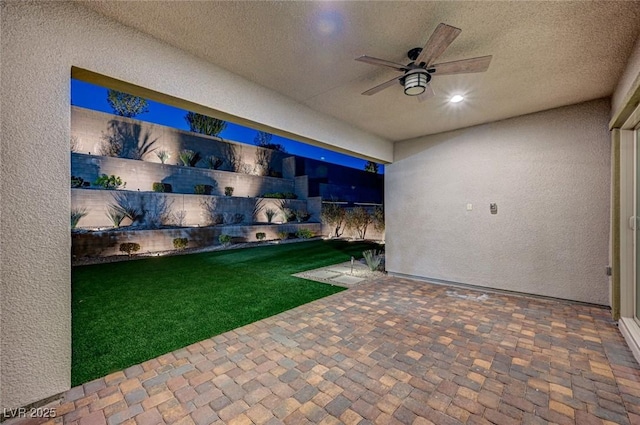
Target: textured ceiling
[{"x": 545, "y": 54}]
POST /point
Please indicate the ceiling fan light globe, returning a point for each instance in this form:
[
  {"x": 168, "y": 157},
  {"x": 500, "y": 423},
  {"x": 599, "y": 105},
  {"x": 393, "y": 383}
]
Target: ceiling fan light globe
[{"x": 415, "y": 83}]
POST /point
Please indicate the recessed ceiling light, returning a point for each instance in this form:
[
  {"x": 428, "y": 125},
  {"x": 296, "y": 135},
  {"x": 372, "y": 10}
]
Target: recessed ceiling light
[{"x": 457, "y": 98}]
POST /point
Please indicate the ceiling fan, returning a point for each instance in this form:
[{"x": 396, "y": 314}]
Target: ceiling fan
[{"x": 417, "y": 74}]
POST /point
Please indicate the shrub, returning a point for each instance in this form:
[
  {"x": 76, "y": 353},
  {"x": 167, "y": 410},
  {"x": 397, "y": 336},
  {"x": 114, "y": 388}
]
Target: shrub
[
  {"x": 270, "y": 214},
  {"x": 78, "y": 182},
  {"x": 374, "y": 258},
  {"x": 163, "y": 155},
  {"x": 378, "y": 218},
  {"x": 213, "y": 162},
  {"x": 304, "y": 233},
  {"x": 302, "y": 215},
  {"x": 125, "y": 104},
  {"x": 189, "y": 158},
  {"x": 178, "y": 218},
  {"x": 333, "y": 215},
  {"x": 76, "y": 215},
  {"x": 283, "y": 235},
  {"x": 129, "y": 247},
  {"x": 260, "y": 236},
  {"x": 228, "y": 191},
  {"x": 358, "y": 219},
  {"x": 287, "y": 212},
  {"x": 224, "y": 239},
  {"x": 203, "y": 124},
  {"x": 180, "y": 243},
  {"x": 115, "y": 215},
  {"x": 162, "y": 187},
  {"x": 280, "y": 195},
  {"x": 202, "y": 189},
  {"x": 110, "y": 182}
]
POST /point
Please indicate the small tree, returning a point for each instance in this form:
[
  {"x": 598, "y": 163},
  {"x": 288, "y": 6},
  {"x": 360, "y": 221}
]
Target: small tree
[
  {"x": 333, "y": 215},
  {"x": 371, "y": 167},
  {"x": 125, "y": 104},
  {"x": 378, "y": 218},
  {"x": 203, "y": 124},
  {"x": 263, "y": 140},
  {"x": 358, "y": 219}
]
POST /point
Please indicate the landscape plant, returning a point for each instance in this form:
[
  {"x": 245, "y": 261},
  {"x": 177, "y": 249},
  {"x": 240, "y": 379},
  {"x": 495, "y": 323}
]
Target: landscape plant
[
  {"x": 189, "y": 158},
  {"x": 111, "y": 182},
  {"x": 304, "y": 233},
  {"x": 280, "y": 195},
  {"x": 228, "y": 191},
  {"x": 333, "y": 215},
  {"x": 282, "y": 235},
  {"x": 204, "y": 124},
  {"x": 213, "y": 162},
  {"x": 180, "y": 243},
  {"x": 130, "y": 248},
  {"x": 129, "y": 204},
  {"x": 163, "y": 155},
  {"x": 125, "y": 104},
  {"x": 162, "y": 187},
  {"x": 260, "y": 236},
  {"x": 286, "y": 208},
  {"x": 76, "y": 215},
  {"x": 224, "y": 239},
  {"x": 358, "y": 219},
  {"x": 77, "y": 182},
  {"x": 270, "y": 213},
  {"x": 115, "y": 215},
  {"x": 202, "y": 189},
  {"x": 374, "y": 258},
  {"x": 371, "y": 167},
  {"x": 179, "y": 217},
  {"x": 302, "y": 216}
]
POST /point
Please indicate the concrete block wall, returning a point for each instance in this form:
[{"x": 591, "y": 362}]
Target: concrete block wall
[
  {"x": 140, "y": 175},
  {"x": 96, "y": 201},
  {"x": 107, "y": 243},
  {"x": 89, "y": 128}
]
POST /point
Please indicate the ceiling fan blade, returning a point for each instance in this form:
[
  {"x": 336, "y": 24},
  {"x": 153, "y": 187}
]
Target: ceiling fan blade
[
  {"x": 382, "y": 86},
  {"x": 427, "y": 94},
  {"x": 441, "y": 38},
  {"x": 382, "y": 62},
  {"x": 464, "y": 66}
]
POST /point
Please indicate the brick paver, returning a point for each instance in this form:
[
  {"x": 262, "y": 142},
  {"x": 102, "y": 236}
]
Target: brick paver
[{"x": 390, "y": 351}]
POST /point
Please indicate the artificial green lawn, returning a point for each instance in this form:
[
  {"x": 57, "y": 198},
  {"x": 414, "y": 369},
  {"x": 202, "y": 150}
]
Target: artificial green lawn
[{"x": 127, "y": 312}]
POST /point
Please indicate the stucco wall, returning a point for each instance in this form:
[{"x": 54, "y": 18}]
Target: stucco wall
[
  {"x": 548, "y": 172},
  {"x": 628, "y": 77},
  {"x": 40, "y": 43}
]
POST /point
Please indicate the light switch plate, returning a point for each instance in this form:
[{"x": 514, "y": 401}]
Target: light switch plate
[{"x": 469, "y": 207}]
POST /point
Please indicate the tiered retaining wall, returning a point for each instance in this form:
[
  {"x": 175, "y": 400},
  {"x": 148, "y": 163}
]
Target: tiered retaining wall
[{"x": 140, "y": 175}]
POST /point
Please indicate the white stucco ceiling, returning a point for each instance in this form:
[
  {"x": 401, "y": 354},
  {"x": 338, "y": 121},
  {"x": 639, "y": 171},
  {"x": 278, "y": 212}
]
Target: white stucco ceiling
[{"x": 545, "y": 54}]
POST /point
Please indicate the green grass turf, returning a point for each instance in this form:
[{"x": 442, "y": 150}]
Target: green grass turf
[{"x": 127, "y": 312}]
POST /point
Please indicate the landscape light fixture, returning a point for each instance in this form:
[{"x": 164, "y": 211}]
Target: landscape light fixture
[
  {"x": 457, "y": 98},
  {"x": 415, "y": 82}
]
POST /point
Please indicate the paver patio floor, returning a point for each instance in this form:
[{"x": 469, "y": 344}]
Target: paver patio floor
[{"x": 390, "y": 351}]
